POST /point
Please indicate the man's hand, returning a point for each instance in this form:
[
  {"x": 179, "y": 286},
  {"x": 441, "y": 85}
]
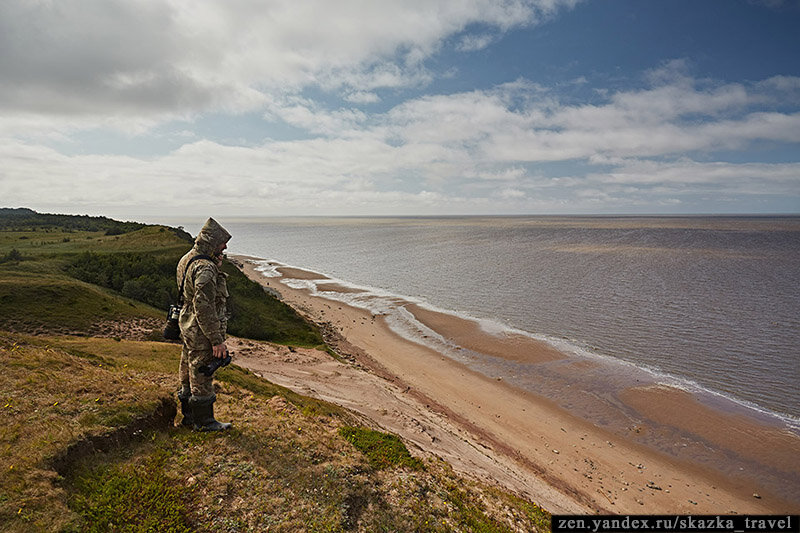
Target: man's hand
[{"x": 219, "y": 350}]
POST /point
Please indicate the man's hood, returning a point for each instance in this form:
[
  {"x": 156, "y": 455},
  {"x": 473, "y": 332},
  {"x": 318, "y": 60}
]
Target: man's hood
[{"x": 212, "y": 236}]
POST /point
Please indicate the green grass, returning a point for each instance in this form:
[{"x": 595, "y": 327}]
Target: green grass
[
  {"x": 471, "y": 516},
  {"x": 257, "y": 315},
  {"x": 128, "y": 496},
  {"x": 244, "y": 379},
  {"x": 57, "y": 241},
  {"x": 38, "y": 295},
  {"x": 32, "y": 301},
  {"x": 50, "y": 399},
  {"x": 383, "y": 450}
]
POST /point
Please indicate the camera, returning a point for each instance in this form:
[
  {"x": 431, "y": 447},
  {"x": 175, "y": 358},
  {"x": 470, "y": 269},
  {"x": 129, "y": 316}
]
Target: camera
[
  {"x": 172, "y": 330},
  {"x": 210, "y": 368}
]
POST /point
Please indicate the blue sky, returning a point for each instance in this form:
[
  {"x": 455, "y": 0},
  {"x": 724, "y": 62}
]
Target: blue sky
[{"x": 148, "y": 109}]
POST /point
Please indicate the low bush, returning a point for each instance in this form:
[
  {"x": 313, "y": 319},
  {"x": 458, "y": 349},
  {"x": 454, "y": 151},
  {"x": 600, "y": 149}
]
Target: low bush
[
  {"x": 13, "y": 255},
  {"x": 124, "y": 497}
]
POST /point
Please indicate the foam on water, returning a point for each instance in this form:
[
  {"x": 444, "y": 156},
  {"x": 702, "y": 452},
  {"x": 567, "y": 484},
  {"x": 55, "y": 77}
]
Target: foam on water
[{"x": 268, "y": 269}]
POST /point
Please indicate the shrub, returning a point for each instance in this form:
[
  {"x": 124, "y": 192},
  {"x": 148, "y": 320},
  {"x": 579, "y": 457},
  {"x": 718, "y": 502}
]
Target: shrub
[
  {"x": 13, "y": 255},
  {"x": 27, "y": 218}
]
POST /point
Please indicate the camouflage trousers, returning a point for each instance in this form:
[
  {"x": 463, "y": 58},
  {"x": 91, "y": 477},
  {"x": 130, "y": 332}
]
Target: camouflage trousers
[{"x": 191, "y": 378}]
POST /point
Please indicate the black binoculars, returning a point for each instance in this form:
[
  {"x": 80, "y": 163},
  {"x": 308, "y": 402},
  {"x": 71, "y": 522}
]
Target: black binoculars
[{"x": 210, "y": 368}]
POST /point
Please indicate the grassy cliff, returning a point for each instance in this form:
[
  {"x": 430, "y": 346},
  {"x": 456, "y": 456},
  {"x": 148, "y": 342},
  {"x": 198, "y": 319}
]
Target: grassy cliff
[{"x": 87, "y": 441}]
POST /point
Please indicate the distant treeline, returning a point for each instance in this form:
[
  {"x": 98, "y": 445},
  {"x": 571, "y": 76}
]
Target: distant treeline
[
  {"x": 23, "y": 218},
  {"x": 146, "y": 277}
]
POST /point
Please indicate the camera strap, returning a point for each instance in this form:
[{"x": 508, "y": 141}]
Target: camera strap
[{"x": 183, "y": 280}]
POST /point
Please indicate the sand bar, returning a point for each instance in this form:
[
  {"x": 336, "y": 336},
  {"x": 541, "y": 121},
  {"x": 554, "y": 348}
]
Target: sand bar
[
  {"x": 336, "y": 287},
  {"x": 469, "y": 334},
  {"x": 296, "y": 273},
  {"x": 563, "y": 462}
]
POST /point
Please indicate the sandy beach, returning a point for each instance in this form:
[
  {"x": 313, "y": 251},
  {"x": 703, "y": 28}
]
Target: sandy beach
[{"x": 488, "y": 429}]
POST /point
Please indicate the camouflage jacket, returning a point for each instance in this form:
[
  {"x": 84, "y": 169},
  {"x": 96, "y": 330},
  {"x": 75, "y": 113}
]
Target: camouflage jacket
[{"x": 203, "y": 317}]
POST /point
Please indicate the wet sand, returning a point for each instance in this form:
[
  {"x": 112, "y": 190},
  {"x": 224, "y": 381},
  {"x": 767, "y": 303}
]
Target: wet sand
[
  {"x": 296, "y": 273},
  {"x": 769, "y": 446},
  {"x": 335, "y": 287},
  {"x": 469, "y": 334},
  {"x": 525, "y": 442}
]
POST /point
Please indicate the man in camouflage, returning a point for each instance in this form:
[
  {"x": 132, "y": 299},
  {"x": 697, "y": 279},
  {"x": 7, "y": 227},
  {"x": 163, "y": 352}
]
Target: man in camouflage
[{"x": 203, "y": 321}]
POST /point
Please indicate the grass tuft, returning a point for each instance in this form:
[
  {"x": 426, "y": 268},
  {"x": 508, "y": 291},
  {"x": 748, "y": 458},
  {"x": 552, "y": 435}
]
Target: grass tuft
[
  {"x": 129, "y": 497},
  {"x": 383, "y": 450}
]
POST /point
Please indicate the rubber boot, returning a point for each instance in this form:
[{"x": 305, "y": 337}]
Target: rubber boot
[
  {"x": 186, "y": 410},
  {"x": 203, "y": 414}
]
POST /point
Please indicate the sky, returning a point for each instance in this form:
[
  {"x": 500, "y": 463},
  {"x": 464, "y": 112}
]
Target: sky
[{"x": 149, "y": 109}]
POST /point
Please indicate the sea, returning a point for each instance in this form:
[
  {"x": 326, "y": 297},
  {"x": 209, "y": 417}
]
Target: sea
[{"x": 709, "y": 304}]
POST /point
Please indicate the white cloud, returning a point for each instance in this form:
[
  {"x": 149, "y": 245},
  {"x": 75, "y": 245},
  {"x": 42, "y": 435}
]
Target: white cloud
[
  {"x": 503, "y": 174},
  {"x": 462, "y": 151},
  {"x": 510, "y": 194},
  {"x": 748, "y": 178},
  {"x": 362, "y": 97},
  {"x": 471, "y": 43},
  {"x": 663, "y": 120},
  {"x": 171, "y": 57},
  {"x": 784, "y": 84},
  {"x": 307, "y": 115}
]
